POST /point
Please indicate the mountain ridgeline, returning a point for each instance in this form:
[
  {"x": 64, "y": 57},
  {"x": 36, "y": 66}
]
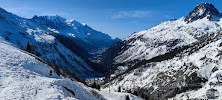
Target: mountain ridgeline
[{"x": 86, "y": 39}]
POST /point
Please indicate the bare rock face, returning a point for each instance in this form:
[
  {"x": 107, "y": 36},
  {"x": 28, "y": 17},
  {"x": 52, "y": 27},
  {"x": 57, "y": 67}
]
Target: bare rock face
[{"x": 203, "y": 10}]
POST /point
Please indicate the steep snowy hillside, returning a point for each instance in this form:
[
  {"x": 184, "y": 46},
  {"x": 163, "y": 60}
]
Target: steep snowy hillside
[
  {"x": 201, "y": 93},
  {"x": 55, "y": 40},
  {"x": 22, "y": 76},
  {"x": 164, "y": 37},
  {"x": 189, "y": 70}
]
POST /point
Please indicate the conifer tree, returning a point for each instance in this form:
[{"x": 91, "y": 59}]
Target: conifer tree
[{"x": 28, "y": 47}]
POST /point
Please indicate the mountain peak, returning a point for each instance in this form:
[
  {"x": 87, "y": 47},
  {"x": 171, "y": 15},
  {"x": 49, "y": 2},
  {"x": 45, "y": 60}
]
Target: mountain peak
[
  {"x": 53, "y": 17},
  {"x": 73, "y": 23},
  {"x": 203, "y": 10}
]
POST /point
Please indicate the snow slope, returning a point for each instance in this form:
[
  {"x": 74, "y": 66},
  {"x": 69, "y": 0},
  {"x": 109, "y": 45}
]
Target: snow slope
[
  {"x": 22, "y": 76},
  {"x": 164, "y": 37},
  {"x": 197, "y": 68},
  {"x": 201, "y": 93}
]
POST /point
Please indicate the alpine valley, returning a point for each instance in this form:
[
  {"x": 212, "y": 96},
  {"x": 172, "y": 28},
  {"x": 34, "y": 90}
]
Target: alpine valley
[
  {"x": 50, "y": 57},
  {"x": 66, "y": 44}
]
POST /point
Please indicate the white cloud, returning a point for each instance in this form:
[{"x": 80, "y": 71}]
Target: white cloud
[{"x": 132, "y": 14}]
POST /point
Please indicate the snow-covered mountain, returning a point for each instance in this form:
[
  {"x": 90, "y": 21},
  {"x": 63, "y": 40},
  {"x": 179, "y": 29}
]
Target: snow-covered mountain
[
  {"x": 164, "y": 37},
  {"x": 171, "y": 58},
  {"x": 190, "y": 70},
  {"x": 64, "y": 43},
  {"x": 24, "y": 76},
  {"x": 203, "y": 10},
  {"x": 79, "y": 34}
]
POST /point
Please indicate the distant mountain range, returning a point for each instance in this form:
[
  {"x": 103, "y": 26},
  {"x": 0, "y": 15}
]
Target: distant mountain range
[{"x": 66, "y": 44}]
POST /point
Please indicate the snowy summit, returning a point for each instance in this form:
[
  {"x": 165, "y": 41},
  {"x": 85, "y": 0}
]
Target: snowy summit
[{"x": 203, "y": 10}]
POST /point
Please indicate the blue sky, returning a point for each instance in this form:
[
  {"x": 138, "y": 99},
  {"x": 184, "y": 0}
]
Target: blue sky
[{"x": 118, "y": 18}]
